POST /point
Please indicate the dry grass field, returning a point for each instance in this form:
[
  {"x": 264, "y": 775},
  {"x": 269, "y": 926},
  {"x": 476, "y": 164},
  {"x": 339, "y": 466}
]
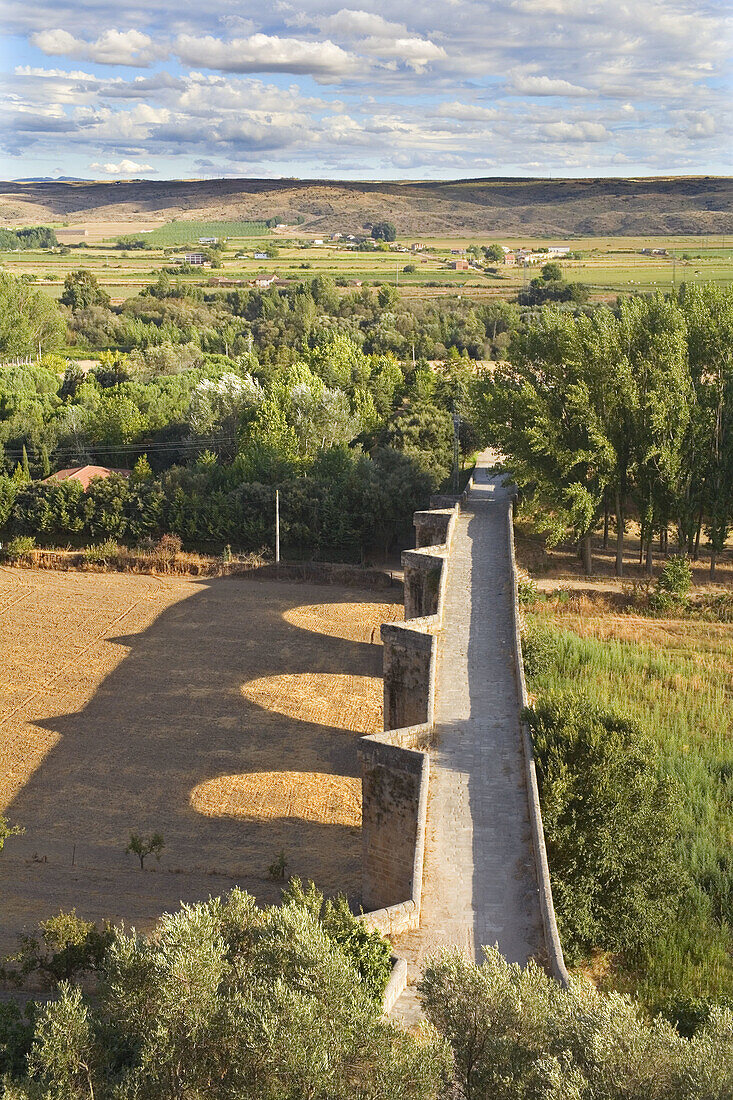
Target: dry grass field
[{"x": 223, "y": 713}]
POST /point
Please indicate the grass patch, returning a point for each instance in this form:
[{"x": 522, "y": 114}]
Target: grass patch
[{"x": 674, "y": 678}]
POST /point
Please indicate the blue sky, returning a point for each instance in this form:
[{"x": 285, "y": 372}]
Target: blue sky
[{"x": 172, "y": 88}]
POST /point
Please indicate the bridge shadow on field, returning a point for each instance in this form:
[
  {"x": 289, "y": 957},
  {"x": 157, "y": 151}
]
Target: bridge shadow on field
[{"x": 178, "y": 739}]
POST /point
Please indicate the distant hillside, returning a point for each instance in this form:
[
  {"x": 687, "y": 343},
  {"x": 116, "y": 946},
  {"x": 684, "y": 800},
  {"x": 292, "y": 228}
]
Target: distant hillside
[{"x": 587, "y": 207}]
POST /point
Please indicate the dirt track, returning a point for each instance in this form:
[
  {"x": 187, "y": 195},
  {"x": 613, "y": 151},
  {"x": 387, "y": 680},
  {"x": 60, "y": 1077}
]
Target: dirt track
[{"x": 223, "y": 713}]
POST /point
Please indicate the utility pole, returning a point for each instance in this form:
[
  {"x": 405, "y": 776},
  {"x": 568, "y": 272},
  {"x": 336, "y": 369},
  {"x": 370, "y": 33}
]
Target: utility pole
[{"x": 277, "y": 526}]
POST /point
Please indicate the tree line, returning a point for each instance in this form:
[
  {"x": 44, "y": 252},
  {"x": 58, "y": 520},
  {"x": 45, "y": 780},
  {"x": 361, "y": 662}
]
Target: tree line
[
  {"x": 36, "y": 236},
  {"x": 624, "y": 411},
  {"x": 227, "y": 1000}
]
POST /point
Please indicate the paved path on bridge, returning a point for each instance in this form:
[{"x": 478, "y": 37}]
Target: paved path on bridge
[{"x": 479, "y": 880}]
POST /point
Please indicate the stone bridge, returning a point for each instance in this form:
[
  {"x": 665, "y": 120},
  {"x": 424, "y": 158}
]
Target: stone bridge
[{"x": 454, "y": 852}]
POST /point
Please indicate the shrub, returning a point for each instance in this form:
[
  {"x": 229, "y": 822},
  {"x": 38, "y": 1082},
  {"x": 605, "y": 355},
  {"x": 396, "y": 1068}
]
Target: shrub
[
  {"x": 516, "y": 1033},
  {"x": 673, "y": 585},
  {"x": 540, "y": 649},
  {"x": 16, "y": 1037},
  {"x": 526, "y": 589},
  {"x": 102, "y": 553},
  {"x": 226, "y": 1000},
  {"x": 690, "y": 1013},
  {"x": 369, "y": 953},
  {"x": 19, "y": 548},
  {"x": 610, "y": 825},
  {"x": 168, "y": 546},
  {"x": 64, "y": 948},
  {"x": 276, "y": 870}
]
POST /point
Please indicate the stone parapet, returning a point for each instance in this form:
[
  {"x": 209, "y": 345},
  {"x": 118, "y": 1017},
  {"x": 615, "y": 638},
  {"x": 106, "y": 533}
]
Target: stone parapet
[
  {"x": 431, "y": 527},
  {"x": 555, "y": 960},
  {"x": 395, "y": 763}
]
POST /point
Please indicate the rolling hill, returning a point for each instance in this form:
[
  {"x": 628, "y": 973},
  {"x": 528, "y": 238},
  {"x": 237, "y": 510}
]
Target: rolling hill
[{"x": 658, "y": 206}]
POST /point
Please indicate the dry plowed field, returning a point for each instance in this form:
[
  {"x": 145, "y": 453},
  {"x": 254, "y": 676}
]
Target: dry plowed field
[{"x": 222, "y": 713}]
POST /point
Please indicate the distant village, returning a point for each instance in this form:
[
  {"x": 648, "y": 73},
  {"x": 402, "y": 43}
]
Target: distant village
[{"x": 461, "y": 259}]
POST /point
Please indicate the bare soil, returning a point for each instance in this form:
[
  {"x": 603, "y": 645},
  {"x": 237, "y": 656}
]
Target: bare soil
[
  {"x": 222, "y": 712},
  {"x": 526, "y": 207},
  {"x": 549, "y": 566}
]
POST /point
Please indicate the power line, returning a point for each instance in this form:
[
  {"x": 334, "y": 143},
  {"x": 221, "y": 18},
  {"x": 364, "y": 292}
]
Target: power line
[{"x": 129, "y": 448}]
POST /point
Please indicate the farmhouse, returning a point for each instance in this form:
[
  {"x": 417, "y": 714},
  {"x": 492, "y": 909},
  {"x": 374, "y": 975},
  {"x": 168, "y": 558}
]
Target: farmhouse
[
  {"x": 198, "y": 259},
  {"x": 264, "y": 281},
  {"x": 460, "y": 265},
  {"x": 527, "y": 256},
  {"x": 261, "y": 256},
  {"x": 85, "y": 474},
  {"x": 558, "y": 250},
  {"x": 208, "y": 240}
]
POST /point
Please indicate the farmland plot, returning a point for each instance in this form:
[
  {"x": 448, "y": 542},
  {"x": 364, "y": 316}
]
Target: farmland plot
[{"x": 222, "y": 713}]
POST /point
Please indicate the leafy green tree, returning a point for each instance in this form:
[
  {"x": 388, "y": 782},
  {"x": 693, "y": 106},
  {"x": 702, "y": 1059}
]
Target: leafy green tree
[
  {"x": 143, "y": 847},
  {"x": 707, "y": 470},
  {"x": 30, "y": 321},
  {"x": 65, "y": 1054},
  {"x": 7, "y": 830},
  {"x": 384, "y": 231},
  {"x": 494, "y": 254},
  {"x": 544, "y": 409},
  {"x": 82, "y": 291},
  {"x": 610, "y": 825},
  {"x": 17, "y": 1027},
  {"x": 8, "y": 490},
  {"x": 514, "y": 1032},
  {"x": 387, "y": 297},
  {"x": 367, "y": 951},
  {"x": 425, "y": 435},
  {"x": 65, "y": 948},
  {"x": 551, "y": 271},
  {"x": 227, "y": 1001},
  {"x": 659, "y": 402}
]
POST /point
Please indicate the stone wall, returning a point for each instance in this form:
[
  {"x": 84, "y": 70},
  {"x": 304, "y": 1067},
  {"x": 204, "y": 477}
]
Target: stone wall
[
  {"x": 395, "y": 763},
  {"x": 392, "y": 778},
  {"x": 408, "y": 664},
  {"x": 555, "y": 961}
]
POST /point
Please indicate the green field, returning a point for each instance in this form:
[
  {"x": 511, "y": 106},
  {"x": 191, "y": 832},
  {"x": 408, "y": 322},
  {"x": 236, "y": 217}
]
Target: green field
[
  {"x": 608, "y": 265},
  {"x": 179, "y": 232}
]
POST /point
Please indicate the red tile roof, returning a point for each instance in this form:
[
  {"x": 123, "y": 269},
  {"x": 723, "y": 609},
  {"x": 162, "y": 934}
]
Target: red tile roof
[{"x": 84, "y": 474}]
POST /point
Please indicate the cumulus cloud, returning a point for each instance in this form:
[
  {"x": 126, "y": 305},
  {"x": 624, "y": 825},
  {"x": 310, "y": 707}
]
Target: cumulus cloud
[
  {"x": 694, "y": 125},
  {"x": 123, "y": 168},
  {"x": 465, "y": 112},
  {"x": 573, "y": 131},
  {"x": 415, "y": 53},
  {"x": 111, "y": 48},
  {"x": 354, "y": 23},
  {"x": 524, "y": 83},
  {"x": 260, "y": 53},
  {"x": 52, "y": 74},
  {"x": 461, "y": 86}
]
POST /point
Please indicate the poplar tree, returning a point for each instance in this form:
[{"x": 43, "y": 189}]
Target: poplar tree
[{"x": 708, "y": 486}]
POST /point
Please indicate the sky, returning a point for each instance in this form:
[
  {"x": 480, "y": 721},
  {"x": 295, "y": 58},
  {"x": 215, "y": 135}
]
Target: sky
[{"x": 436, "y": 89}]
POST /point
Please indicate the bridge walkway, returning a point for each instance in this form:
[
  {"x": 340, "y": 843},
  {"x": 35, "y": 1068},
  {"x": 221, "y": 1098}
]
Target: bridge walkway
[{"x": 479, "y": 882}]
